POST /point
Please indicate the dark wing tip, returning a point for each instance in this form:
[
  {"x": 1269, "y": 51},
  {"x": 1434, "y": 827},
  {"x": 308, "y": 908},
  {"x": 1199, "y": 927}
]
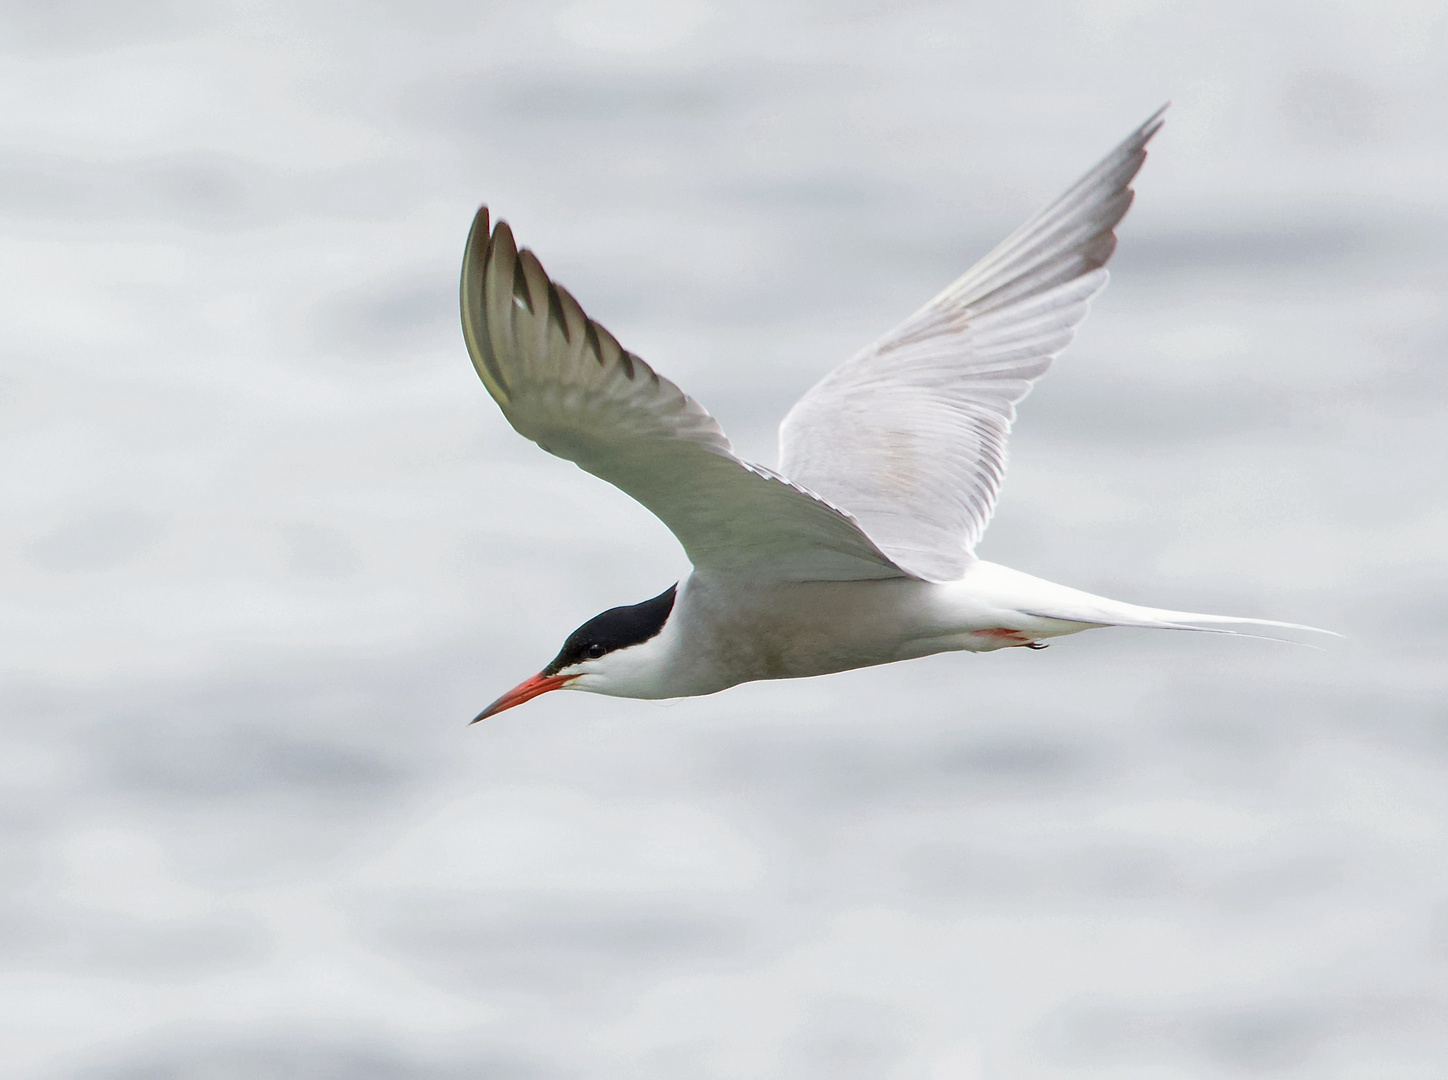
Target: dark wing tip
[
  {"x": 502, "y": 238},
  {"x": 1153, "y": 123},
  {"x": 475, "y": 252},
  {"x": 525, "y": 268},
  {"x": 479, "y": 263},
  {"x": 555, "y": 312}
]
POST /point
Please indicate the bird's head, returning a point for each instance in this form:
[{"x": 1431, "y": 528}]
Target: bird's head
[{"x": 602, "y": 655}]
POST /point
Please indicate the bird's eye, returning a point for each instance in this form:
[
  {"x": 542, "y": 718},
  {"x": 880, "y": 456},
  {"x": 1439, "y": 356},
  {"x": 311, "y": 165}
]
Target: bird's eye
[{"x": 594, "y": 651}]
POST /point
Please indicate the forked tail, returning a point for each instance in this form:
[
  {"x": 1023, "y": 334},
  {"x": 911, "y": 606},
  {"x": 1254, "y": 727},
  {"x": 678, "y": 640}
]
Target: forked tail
[
  {"x": 1116, "y": 614},
  {"x": 1047, "y": 600}
]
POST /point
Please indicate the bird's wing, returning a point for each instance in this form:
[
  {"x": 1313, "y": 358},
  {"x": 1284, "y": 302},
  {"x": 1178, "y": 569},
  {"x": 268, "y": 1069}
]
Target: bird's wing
[
  {"x": 564, "y": 381},
  {"x": 909, "y": 435}
]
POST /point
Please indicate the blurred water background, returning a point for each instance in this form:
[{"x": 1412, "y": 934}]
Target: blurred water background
[{"x": 268, "y": 545}]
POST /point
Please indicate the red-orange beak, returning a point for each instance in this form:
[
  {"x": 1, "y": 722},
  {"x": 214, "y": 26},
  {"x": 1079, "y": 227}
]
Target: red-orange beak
[{"x": 526, "y": 690}]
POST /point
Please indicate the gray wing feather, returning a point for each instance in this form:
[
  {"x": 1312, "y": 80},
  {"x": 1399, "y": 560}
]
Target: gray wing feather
[
  {"x": 909, "y": 435},
  {"x": 564, "y": 381}
]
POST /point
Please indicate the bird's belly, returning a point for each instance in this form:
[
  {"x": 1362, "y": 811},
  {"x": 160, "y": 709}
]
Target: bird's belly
[
  {"x": 733, "y": 631},
  {"x": 746, "y": 632}
]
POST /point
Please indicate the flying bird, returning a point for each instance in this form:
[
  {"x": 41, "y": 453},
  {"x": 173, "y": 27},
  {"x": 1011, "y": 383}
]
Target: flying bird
[{"x": 859, "y": 548}]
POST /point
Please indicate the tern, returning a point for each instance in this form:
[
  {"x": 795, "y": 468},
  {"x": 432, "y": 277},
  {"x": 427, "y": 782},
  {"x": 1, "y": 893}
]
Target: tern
[{"x": 859, "y": 548}]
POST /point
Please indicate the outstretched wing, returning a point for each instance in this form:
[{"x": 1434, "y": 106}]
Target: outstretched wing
[
  {"x": 563, "y": 381},
  {"x": 909, "y": 435}
]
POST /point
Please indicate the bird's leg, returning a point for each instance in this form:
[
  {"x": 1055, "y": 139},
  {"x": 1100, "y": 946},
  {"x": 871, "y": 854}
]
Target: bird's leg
[{"x": 1015, "y": 637}]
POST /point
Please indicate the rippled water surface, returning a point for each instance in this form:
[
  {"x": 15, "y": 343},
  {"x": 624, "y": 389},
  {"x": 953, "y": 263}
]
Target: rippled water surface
[{"x": 267, "y": 545}]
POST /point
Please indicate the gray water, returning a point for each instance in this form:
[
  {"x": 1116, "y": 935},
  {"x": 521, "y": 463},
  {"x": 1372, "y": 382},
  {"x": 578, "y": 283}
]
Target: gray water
[{"x": 268, "y": 546}]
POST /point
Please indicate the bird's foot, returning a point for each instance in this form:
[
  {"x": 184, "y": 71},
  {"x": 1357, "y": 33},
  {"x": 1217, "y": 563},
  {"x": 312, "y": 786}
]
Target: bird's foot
[{"x": 1016, "y": 638}]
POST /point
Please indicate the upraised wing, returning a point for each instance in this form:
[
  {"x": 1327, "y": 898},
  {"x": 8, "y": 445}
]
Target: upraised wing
[
  {"x": 563, "y": 381},
  {"x": 909, "y": 435}
]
